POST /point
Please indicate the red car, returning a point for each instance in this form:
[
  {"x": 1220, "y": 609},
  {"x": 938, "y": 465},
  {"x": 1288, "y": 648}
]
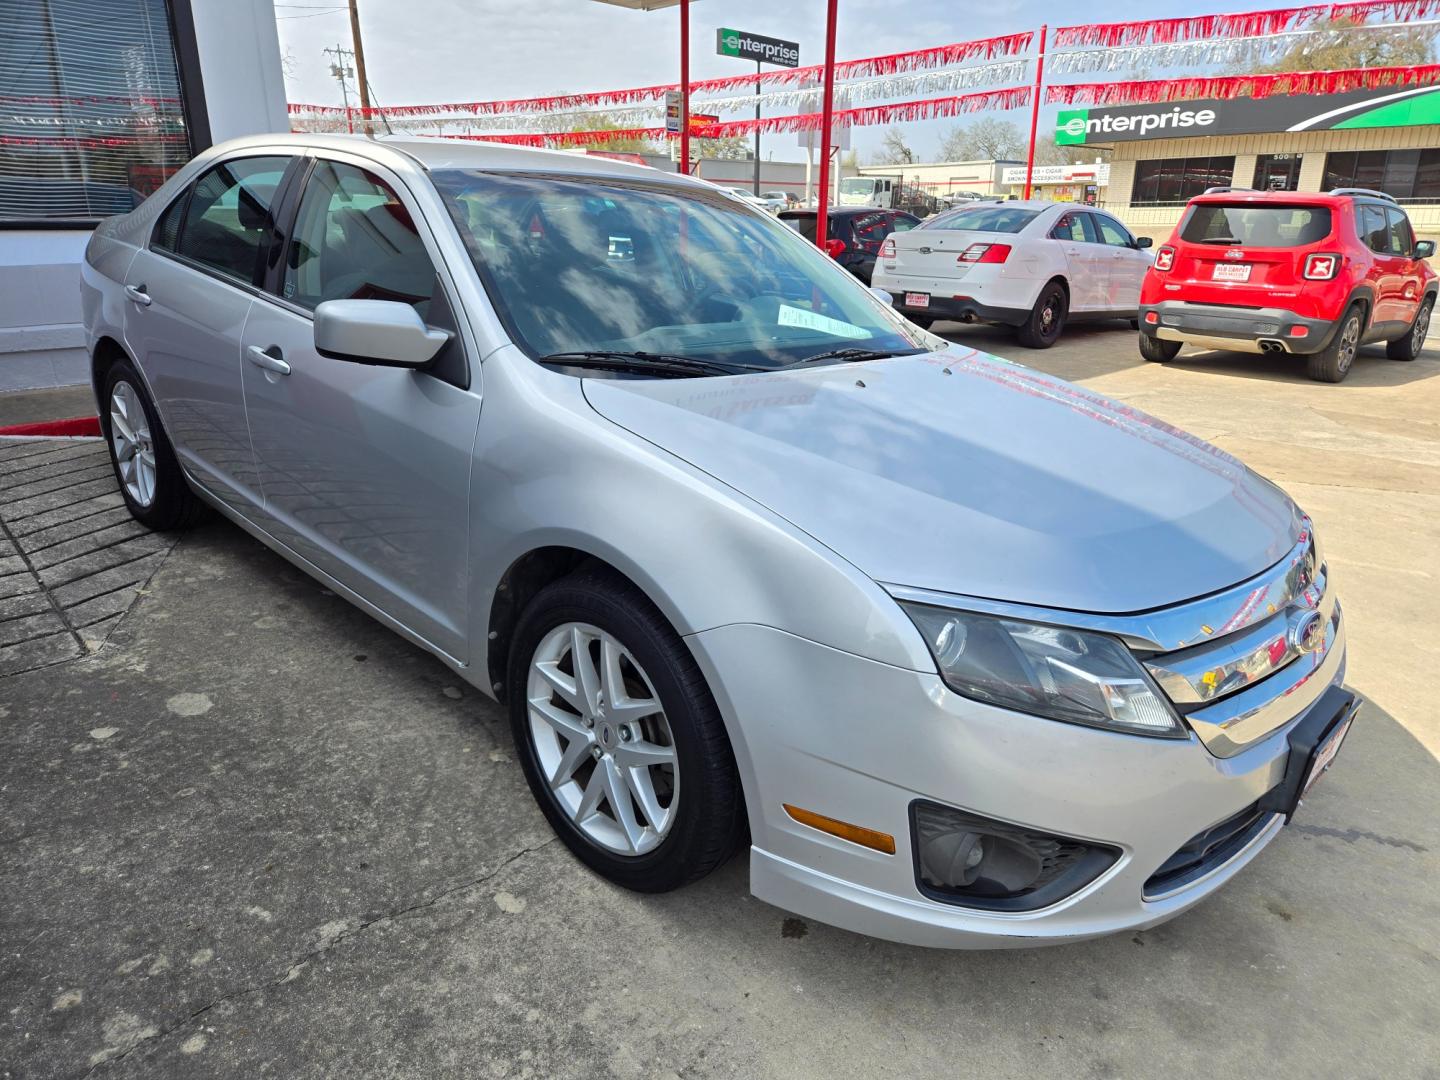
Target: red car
[{"x": 1292, "y": 272}]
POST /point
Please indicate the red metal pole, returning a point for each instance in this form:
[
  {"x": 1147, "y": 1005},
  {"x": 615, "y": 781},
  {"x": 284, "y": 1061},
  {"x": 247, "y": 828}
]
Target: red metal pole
[
  {"x": 1035, "y": 110},
  {"x": 685, "y": 86},
  {"x": 827, "y": 113}
]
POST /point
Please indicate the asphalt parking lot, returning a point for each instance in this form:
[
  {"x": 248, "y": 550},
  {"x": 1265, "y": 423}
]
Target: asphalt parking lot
[{"x": 249, "y": 832}]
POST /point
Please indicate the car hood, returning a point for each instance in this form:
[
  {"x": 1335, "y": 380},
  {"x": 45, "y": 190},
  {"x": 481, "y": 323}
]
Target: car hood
[{"x": 962, "y": 473}]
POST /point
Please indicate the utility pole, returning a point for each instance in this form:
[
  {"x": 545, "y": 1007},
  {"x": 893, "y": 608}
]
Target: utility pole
[
  {"x": 363, "y": 82},
  {"x": 341, "y": 73}
]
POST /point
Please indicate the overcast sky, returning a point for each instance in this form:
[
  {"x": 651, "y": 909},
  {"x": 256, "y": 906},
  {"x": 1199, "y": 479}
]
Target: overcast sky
[{"x": 421, "y": 51}]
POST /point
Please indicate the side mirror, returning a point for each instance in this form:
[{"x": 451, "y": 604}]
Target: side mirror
[
  {"x": 1424, "y": 249},
  {"x": 381, "y": 332},
  {"x": 881, "y": 295},
  {"x": 1144, "y": 242}
]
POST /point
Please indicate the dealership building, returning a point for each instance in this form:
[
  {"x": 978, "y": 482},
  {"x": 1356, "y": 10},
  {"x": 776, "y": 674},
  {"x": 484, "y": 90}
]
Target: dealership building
[
  {"x": 1163, "y": 155},
  {"x": 102, "y": 100}
]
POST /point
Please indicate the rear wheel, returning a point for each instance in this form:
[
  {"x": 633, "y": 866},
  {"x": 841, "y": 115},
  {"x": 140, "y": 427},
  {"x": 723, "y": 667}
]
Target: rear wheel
[
  {"x": 1408, "y": 347},
  {"x": 1156, "y": 350},
  {"x": 1332, "y": 363},
  {"x": 151, "y": 482},
  {"x": 1042, "y": 328},
  {"x": 619, "y": 737}
]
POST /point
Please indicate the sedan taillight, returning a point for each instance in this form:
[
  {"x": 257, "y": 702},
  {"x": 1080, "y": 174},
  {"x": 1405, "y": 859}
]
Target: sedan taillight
[
  {"x": 1165, "y": 258},
  {"x": 887, "y": 249},
  {"x": 985, "y": 253},
  {"x": 1321, "y": 266}
]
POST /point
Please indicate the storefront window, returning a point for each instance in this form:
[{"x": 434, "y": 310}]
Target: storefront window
[
  {"x": 1175, "y": 181},
  {"x": 1277, "y": 172},
  {"x": 1408, "y": 175},
  {"x": 90, "y": 111}
]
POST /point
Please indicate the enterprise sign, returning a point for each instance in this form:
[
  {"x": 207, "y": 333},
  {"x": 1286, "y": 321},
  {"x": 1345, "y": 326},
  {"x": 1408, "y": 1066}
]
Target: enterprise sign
[
  {"x": 1385, "y": 107},
  {"x": 766, "y": 50}
]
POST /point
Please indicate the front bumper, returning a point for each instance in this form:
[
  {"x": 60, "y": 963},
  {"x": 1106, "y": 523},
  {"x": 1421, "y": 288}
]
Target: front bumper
[
  {"x": 1238, "y": 329},
  {"x": 860, "y": 741}
]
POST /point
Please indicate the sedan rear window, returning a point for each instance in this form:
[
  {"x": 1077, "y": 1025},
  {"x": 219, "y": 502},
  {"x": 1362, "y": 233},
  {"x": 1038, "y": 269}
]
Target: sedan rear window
[
  {"x": 1256, "y": 226},
  {"x": 989, "y": 218}
]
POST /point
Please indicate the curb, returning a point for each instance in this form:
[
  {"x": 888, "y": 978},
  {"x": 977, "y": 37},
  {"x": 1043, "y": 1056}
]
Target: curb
[{"x": 73, "y": 427}]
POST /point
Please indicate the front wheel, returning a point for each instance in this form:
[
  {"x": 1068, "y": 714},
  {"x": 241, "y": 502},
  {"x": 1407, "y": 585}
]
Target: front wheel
[
  {"x": 1157, "y": 350},
  {"x": 1408, "y": 347},
  {"x": 1332, "y": 363},
  {"x": 619, "y": 737},
  {"x": 1042, "y": 327}
]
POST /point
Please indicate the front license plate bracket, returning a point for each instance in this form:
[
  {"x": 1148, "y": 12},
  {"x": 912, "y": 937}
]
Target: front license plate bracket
[{"x": 1314, "y": 743}]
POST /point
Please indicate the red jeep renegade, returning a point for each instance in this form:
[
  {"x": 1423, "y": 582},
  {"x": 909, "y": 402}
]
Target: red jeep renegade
[{"x": 1287, "y": 271}]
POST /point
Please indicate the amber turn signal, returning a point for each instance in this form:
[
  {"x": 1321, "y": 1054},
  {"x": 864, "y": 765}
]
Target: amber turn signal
[{"x": 856, "y": 834}]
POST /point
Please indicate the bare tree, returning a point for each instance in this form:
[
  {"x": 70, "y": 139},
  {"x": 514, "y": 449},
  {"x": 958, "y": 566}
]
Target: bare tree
[
  {"x": 986, "y": 139},
  {"x": 1340, "y": 45},
  {"x": 893, "y": 150}
]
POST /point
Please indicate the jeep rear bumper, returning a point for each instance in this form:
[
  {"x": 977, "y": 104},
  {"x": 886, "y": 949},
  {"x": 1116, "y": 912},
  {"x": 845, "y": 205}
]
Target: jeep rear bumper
[{"x": 1241, "y": 329}]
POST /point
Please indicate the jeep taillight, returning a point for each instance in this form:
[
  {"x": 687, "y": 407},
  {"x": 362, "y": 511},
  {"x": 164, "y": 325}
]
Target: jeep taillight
[
  {"x": 1321, "y": 266},
  {"x": 887, "y": 249},
  {"x": 985, "y": 253},
  {"x": 1165, "y": 258}
]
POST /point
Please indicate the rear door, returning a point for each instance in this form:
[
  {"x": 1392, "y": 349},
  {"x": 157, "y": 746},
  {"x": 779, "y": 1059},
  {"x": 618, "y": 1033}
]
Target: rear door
[
  {"x": 1087, "y": 260},
  {"x": 1408, "y": 292},
  {"x": 365, "y": 469},
  {"x": 189, "y": 294}
]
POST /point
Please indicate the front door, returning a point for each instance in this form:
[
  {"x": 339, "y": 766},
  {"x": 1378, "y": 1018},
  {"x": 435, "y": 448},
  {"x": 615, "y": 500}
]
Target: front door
[
  {"x": 1127, "y": 264},
  {"x": 365, "y": 470},
  {"x": 188, "y": 294}
]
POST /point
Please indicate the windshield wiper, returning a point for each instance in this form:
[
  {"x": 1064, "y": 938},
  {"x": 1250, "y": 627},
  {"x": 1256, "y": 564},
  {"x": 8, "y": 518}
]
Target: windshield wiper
[
  {"x": 640, "y": 363},
  {"x": 853, "y": 355}
]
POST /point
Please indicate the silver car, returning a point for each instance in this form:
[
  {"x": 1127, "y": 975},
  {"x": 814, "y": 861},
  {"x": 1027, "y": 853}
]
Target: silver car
[{"x": 965, "y": 655}]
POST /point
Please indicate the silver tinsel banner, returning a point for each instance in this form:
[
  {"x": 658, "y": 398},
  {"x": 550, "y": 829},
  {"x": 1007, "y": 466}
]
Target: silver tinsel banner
[{"x": 1260, "y": 49}]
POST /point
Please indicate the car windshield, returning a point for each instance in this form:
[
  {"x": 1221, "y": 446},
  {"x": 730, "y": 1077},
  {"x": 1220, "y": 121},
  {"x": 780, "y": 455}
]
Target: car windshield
[
  {"x": 857, "y": 185},
  {"x": 992, "y": 217},
  {"x": 1256, "y": 226},
  {"x": 639, "y": 266}
]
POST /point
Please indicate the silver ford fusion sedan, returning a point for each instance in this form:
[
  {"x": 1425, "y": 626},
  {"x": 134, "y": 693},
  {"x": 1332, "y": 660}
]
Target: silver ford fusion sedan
[{"x": 969, "y": 656}]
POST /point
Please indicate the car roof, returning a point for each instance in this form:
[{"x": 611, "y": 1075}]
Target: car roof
[
  {"x": 1288, "y": 198},
  {"x": 440, "y": 153},
  {"x": 846, "y": 211}
]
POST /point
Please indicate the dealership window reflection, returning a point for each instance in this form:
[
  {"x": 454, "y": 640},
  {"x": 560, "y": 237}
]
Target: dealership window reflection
[
  {"x": 93, "y": 120},
  {"x": 1411, "y": 176},
  {"x": 1175, "y": 181}
]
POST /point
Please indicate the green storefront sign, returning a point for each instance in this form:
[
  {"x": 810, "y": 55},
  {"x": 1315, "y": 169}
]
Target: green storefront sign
[{"x": 1248, "y": 116}]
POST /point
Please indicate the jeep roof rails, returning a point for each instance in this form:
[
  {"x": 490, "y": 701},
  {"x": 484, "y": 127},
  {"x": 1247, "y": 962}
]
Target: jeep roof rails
[
  {"x": 1224, "y": 190},
  {"x": 1371, "y": 192}
]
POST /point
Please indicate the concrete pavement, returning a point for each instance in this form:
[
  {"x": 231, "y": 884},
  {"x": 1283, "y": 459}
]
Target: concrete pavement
[{"x": 255, "y": 834}]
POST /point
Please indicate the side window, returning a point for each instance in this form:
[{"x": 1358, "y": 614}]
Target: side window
[
  {"x": 1112, "y": 232},
  {"x": 1071, "y": 227},
  {"x": 872, "y": 229},
  {"x": 354, "y": 240},
  {"x": 226, "y": 224},
  {"x": 1374, "y": 229},
  {"x": 166, "y": 233},
  {"x": 1402, "y": 238},
  {"x": 904, "y": 224}
]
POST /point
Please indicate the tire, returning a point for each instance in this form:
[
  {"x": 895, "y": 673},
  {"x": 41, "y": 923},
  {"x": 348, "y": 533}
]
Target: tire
[
  {"x": 697, "y": 812},
  {"x": 1134, "y": 323},
  {"x": 1157, "y": 350},
  {"x": 1332, "y": 363},
  {"x": 1409, "y": 345},
  {"x": 1046, "y": 320},
  {"x": 151, "y": 482}
]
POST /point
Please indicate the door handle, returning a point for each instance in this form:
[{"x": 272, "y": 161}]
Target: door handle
[
  {"x": 264, "y": 359},
  {"x": 138, "y": 294}
]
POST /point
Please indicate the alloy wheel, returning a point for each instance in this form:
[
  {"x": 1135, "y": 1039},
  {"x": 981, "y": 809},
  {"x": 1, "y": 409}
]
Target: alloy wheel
[
  {"x": 130, "y": 439},
  {"x": 602, "y": 742},
  {"x": 1349, "y": 340},
  {"x": 1422, "y": 327}
]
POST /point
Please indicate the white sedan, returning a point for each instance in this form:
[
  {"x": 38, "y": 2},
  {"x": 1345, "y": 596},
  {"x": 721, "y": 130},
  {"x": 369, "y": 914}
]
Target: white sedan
[{"x": 1032, "y": 265}]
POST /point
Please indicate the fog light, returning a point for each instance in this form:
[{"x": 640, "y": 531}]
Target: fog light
[
  {"x": 1152, "y": 318},
  {"x": 962, "y": 858},
  {"x": 1299, "y": 331}
]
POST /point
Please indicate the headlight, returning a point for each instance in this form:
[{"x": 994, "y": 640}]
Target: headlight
[{"x": 1076, "y": 676}]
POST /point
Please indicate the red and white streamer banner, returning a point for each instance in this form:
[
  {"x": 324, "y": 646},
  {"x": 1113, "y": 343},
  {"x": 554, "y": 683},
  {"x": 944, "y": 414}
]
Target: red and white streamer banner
[
  {"x": 1240, "y": 24},
  {"x": 1225, "y": 87},
  {"x": 1014, "y": 97},
  {"x": 891, "y": 64}
]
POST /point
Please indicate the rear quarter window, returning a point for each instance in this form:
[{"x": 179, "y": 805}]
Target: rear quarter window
[{"x": 1256, "y": 226}]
